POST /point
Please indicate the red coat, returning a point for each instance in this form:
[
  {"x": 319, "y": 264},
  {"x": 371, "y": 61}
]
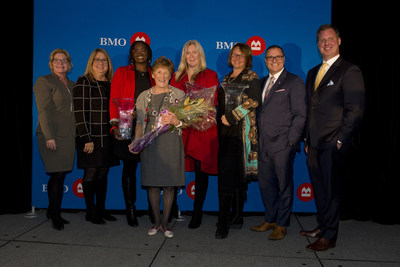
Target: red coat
[
  {"x": 202, "y": 146},
  {"x": 123, "y": 85}
]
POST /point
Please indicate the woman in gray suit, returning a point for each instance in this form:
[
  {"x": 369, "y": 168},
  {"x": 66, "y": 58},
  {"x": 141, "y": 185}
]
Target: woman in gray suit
[{"x": 56, "y": 129}]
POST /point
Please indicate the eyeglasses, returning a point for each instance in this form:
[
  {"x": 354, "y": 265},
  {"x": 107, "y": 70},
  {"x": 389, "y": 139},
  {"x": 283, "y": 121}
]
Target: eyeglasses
[
  {"x": 100, "y": 60},
  {"x": 58, "y": 60},
  {"x": 238, "y": 56},
  {"x": 271, "y": 58}
]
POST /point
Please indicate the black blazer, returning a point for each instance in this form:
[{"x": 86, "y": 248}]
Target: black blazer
[
  {"x": 336, "y": 107},
  {"x": 282, "y": 116}
]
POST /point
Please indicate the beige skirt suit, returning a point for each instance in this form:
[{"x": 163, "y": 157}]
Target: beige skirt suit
[{"x": 55, "y": 121}]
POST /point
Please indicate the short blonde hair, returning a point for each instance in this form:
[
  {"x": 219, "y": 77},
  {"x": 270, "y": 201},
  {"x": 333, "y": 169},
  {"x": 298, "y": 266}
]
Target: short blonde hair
[
  {"x": 163, "y": 62},
  {"x": 59, "y": 51},
  {"x": 89, "y": 67},
  {"x": 183, "y": 66}
]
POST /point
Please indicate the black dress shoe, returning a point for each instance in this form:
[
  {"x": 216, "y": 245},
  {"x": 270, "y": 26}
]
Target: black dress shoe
[{"x": 237, "y": 223}]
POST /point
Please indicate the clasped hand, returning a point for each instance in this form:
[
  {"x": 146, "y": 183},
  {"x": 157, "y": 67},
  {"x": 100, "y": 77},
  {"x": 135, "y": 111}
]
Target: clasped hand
[{"x": 169, "y": 118}]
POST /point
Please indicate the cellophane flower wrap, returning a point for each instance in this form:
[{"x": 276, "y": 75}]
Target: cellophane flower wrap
[
  {"x": 140, "y": 143},
  {"x": 198, "y": 110},
  {"x": 125, "y": 107}
]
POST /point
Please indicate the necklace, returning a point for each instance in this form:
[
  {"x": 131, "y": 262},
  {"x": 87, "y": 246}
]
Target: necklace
[
  {"x": 142, "y": 73},
  {"x": 167, "y": 100},
  {"x": 231, "y": 80}
]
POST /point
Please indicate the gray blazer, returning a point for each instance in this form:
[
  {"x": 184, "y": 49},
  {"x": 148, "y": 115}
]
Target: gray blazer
[{"x": 282, "y": 116}]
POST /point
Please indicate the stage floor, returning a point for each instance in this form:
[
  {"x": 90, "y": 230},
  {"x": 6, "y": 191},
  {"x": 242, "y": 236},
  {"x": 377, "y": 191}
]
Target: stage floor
[{"x": 33, "y": 242}]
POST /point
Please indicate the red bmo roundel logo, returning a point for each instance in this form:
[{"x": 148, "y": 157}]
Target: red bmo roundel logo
[
  {"x": 77, "y": 188},
  {"x": 305, "y": 192},
  {"x": 140, "y": 36},
  {"x": 257, "y": 45},
  {"x": 190, "y": 190}
]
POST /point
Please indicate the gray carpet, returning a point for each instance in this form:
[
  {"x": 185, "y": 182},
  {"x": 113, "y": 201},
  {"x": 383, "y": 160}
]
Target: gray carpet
[{"x": 33, "y": 242}]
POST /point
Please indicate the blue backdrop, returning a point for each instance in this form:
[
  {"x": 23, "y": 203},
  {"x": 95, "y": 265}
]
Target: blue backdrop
[{"x": 81, "y": 26}]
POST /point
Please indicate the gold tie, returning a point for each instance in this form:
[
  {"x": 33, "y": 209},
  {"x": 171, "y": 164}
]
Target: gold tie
[{"x": 320, "y": 74}]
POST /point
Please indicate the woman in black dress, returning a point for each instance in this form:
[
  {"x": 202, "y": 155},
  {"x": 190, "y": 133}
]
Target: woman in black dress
[
  {"x": 91, "y": 103},
  {"x": 237, "y": 131}
]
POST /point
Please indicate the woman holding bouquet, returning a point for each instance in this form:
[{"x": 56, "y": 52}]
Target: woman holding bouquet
[
  {"x": 237, "y": 129},
  {"x": 128, "y": 82},
  {"x": 201, "y": 147},
  {"x": 94, "y": 150},
  {"x": 162, "y": 161},
  {"x": 56, "y": 129}
]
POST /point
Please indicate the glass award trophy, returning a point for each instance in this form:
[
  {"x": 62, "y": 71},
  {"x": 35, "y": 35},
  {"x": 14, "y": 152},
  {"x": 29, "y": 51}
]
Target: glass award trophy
[
  {"x": 125, "y": 109},
  {"x": 233, "y": 94}
]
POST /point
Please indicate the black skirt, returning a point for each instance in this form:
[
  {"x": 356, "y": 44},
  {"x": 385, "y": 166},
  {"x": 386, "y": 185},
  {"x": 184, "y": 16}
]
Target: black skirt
[{"x": 101, "y": 157}]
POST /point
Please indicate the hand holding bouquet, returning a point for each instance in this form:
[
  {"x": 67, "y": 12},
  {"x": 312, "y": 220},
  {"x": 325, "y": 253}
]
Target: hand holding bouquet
[
  {"x": 198, "y": 110},
  {"x": 138, "y": 144}
]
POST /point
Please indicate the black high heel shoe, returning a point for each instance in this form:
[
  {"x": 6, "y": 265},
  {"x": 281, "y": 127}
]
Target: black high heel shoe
[
  {"x": 57, "y": 224},
  {"x": 196, "y": 220},
  {"x": 49, "y": 215}
]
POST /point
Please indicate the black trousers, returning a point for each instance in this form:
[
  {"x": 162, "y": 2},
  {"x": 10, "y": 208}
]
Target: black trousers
[{"x": 325, "y": 168}]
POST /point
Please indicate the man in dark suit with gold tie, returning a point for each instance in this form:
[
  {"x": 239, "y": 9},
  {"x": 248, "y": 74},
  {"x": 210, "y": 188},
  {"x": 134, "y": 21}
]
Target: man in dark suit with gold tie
[
  {"x": 336, "y": 100},
  {"x": 281, "y": 118}
]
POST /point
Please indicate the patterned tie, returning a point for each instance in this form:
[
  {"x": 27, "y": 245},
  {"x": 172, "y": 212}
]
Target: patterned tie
[
  {"x": 320, "y": 74},
  {"x": 271, "y": 83}
]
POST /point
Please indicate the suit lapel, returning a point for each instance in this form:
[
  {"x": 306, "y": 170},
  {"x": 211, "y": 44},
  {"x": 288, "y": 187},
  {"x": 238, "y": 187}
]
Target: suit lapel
[
  {"x": 328, "y": 74},
  {"x": 276, "y": 84}
]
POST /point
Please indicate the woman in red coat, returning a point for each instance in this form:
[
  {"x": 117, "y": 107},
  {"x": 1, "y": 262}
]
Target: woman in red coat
[
  {"x": 201, "y": 148},
  {"x": 128, "y": 82}
]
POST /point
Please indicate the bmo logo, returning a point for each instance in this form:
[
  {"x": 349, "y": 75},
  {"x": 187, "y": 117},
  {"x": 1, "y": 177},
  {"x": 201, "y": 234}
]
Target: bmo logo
[
  {"x": 257, "y": 45},
  {"x": 77, "y": 188},
  {"x": 140, "y": 36},
  {"x": 106, "y": 41},
  {"x": 305, "y": 192},
  {"x": 190, "y": 190}
]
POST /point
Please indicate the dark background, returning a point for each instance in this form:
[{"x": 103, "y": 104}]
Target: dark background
[{"x": 372, "y": 184}]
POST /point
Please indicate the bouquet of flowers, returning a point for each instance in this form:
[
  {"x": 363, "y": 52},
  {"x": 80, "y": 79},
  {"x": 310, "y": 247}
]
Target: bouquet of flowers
[{"x": 196, "y": 111}]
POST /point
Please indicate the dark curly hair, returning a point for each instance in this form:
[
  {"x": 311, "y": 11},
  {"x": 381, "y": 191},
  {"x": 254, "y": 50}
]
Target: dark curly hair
[{"x": 149, "y": 52}]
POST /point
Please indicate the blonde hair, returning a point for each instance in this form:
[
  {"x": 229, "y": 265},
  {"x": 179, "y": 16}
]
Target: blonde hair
[
  {"x": 89, "y": 67},
  {"x": 59, "y": 51},
  {"x": 183, "y": 66}
]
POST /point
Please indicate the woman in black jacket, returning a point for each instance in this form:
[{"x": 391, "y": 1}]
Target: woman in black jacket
[{"x": 94, "y": 149}]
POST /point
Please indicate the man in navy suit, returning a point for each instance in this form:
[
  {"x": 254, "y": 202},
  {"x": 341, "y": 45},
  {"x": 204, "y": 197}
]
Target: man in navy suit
[
  {"x": 336, "y": 100},
  {"x": 281, "y": 118}
]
